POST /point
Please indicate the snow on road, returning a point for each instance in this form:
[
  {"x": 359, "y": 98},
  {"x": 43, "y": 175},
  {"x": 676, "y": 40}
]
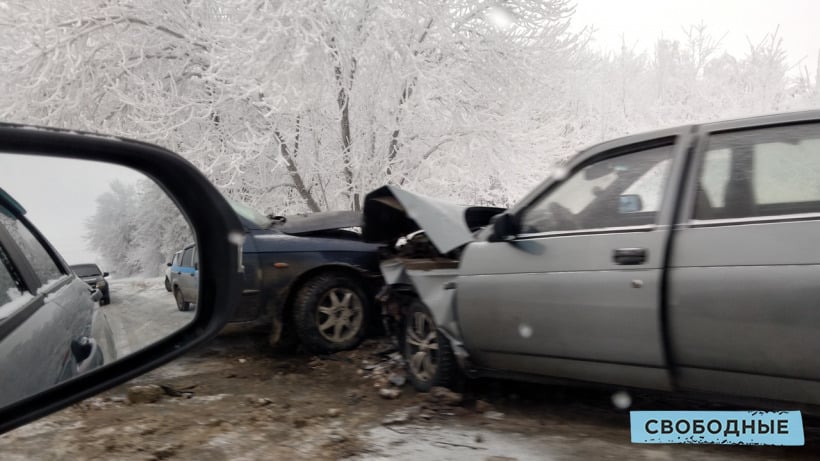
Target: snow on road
[{"x": 142, "y": 312}]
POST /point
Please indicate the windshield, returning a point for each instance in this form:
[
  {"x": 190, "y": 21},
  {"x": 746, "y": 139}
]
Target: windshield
[
  {"x": 249, "y": 215},
  {"x": 86, "y": 270}
]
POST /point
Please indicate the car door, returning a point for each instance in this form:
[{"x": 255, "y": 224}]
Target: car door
[
  {"x": 193, "y": 289},
  {"x": 185, "y": 273},
  {"x": 577, "y": 292},
  {"x": 745, "y": 273}
]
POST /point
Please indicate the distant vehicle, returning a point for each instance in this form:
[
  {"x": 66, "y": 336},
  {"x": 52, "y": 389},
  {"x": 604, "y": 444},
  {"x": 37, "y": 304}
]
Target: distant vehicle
[
  {"x": 681, "y": 259},
  {"x": 48, "y": 316},
  {"x": 183, "y": 277},
  {"x": 169, "y": 270},
  {"x": 94, "y": 277},
  {"x": 308, "y": 279}
]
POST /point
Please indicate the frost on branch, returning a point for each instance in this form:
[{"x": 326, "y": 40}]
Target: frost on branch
[{"x": 306, "y": 106}]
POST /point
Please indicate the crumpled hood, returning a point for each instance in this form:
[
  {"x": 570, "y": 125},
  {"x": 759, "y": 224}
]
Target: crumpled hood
[
  {"x": 322, "y": 221},
  {"x": 391, "y": 212}
]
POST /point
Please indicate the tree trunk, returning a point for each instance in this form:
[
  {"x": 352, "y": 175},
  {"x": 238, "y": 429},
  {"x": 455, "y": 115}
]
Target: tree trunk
[{"x": 298, "y": 182}]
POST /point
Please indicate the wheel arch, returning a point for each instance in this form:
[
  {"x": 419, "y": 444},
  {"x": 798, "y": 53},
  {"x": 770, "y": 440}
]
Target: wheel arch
[{"x": 292, "y": 290}]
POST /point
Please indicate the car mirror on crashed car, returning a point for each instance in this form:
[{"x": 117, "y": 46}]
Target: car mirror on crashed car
[
  {"x": 71, "y": 204},
  {"x": 505, "y": 228},
  {"x": 629, "y": 203}
]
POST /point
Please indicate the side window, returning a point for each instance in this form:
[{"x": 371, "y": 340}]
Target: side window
[
  {"x": 11, "y": 294},
  {"x": 620, "y": 191},
  {"x": 196, "y": 257},
  {"x": 187, "y": 258},
  {"x": 44, "y": 266},
  {"x": 762, "y": 172}
]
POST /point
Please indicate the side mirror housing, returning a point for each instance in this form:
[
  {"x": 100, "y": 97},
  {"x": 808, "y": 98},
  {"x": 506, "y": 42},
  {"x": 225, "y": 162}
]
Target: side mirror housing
[
  {"x": 169, "y": 264},
  {"x": 105, "y": 274},
  {"x": 504, "y": 228},
  {"x": 630, "y": 203}
]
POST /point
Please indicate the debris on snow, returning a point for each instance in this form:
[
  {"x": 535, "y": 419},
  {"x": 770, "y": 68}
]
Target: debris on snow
[
  {"x": 148, "y": 393},
  {"x": 444, "y": 396},
  {"x": 389, "y": 393}
]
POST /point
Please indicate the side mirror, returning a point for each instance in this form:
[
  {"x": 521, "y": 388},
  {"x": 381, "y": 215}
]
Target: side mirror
[
  {"x": 43, "y": 176},
  {"x": 169, "y": 264},
  {"x": 505, "y": 228},
  {"x": 630, "y": 203}
]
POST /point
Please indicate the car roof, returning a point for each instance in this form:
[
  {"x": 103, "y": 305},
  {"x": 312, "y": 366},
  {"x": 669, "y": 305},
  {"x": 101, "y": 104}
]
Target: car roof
[{"x": 715, "y": 125}]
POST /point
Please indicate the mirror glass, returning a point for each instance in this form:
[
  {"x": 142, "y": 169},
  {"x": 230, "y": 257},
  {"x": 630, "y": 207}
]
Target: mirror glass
[
  {"x": 629, "y": 203},
  {"x": 96, "y": 262}
]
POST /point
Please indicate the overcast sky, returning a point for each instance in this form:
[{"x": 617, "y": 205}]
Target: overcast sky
[
  {"x": 642, "y": 22},
  {"x": 59, "y": 195}
]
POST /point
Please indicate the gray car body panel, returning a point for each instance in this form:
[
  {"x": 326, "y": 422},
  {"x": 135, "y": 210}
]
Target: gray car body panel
[
  {"x": 724, "y": 306},
  {"x": 391, "y": 212}
]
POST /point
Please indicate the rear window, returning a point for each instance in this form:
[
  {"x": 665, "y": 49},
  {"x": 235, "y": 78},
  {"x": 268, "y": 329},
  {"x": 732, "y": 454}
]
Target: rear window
[
  {"x": 86, "y": 270},
  {"x": 187, "y": 257}
]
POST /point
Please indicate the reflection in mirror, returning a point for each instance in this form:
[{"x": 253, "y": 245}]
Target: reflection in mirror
[
  {"x": 96, "y": 262},
  {"x": 629, "y": 203}
]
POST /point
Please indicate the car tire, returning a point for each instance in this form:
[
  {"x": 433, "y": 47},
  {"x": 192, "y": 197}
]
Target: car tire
[
  {"x": 427, "y": 352},
  {"x": 167, "y": 284},
  {"x": 331, "y": 313},
  {"x": 106, "y": 300},
  {"x": 182, "y": 305}
]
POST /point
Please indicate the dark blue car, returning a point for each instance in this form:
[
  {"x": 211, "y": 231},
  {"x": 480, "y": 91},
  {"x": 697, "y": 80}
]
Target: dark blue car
[{"x": 308, "y": 279}]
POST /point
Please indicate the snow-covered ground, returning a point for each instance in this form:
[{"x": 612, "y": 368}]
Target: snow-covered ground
[{"x": 142, "y": 312}]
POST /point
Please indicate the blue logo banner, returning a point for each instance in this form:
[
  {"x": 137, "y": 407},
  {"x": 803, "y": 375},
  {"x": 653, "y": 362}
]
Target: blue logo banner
[{"x": 718, "y": 427}]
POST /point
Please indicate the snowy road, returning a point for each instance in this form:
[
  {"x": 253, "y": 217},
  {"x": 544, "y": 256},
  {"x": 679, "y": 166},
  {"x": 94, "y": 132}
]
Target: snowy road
[{"x": 142, "y": 312}]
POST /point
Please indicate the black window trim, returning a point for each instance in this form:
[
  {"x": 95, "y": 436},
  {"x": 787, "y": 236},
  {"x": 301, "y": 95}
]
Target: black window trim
[{"x": 595, "y": 231}]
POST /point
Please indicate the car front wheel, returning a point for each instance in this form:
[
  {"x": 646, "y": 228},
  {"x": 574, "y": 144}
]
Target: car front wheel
[
  {"x": 331, "y": 313},
  {"x": 167, "y": 284},
  {"x": 427, "y": 352}
]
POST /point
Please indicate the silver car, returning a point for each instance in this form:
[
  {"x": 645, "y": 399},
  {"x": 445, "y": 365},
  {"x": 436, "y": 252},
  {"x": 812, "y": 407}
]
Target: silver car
[{"x": 681, "y": 259}]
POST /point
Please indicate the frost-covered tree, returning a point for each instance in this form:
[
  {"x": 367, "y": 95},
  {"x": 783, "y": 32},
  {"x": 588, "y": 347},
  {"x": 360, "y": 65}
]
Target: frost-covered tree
[
  {"x": 304, "y": 105},
  {"x": 111, "y": 230},
  {"x": 136, "y": 227},
  {"x": 307, "y": 106}
]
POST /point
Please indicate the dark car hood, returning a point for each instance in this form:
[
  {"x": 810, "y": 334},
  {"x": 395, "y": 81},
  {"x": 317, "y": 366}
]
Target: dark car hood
[
  {"x": 322, "y": 221},
  {"x": 391, "y": 212}
]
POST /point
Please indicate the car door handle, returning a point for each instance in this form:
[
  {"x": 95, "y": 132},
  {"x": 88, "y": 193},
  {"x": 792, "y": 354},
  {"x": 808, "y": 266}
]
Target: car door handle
[{"x": 629, "y": 256}]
